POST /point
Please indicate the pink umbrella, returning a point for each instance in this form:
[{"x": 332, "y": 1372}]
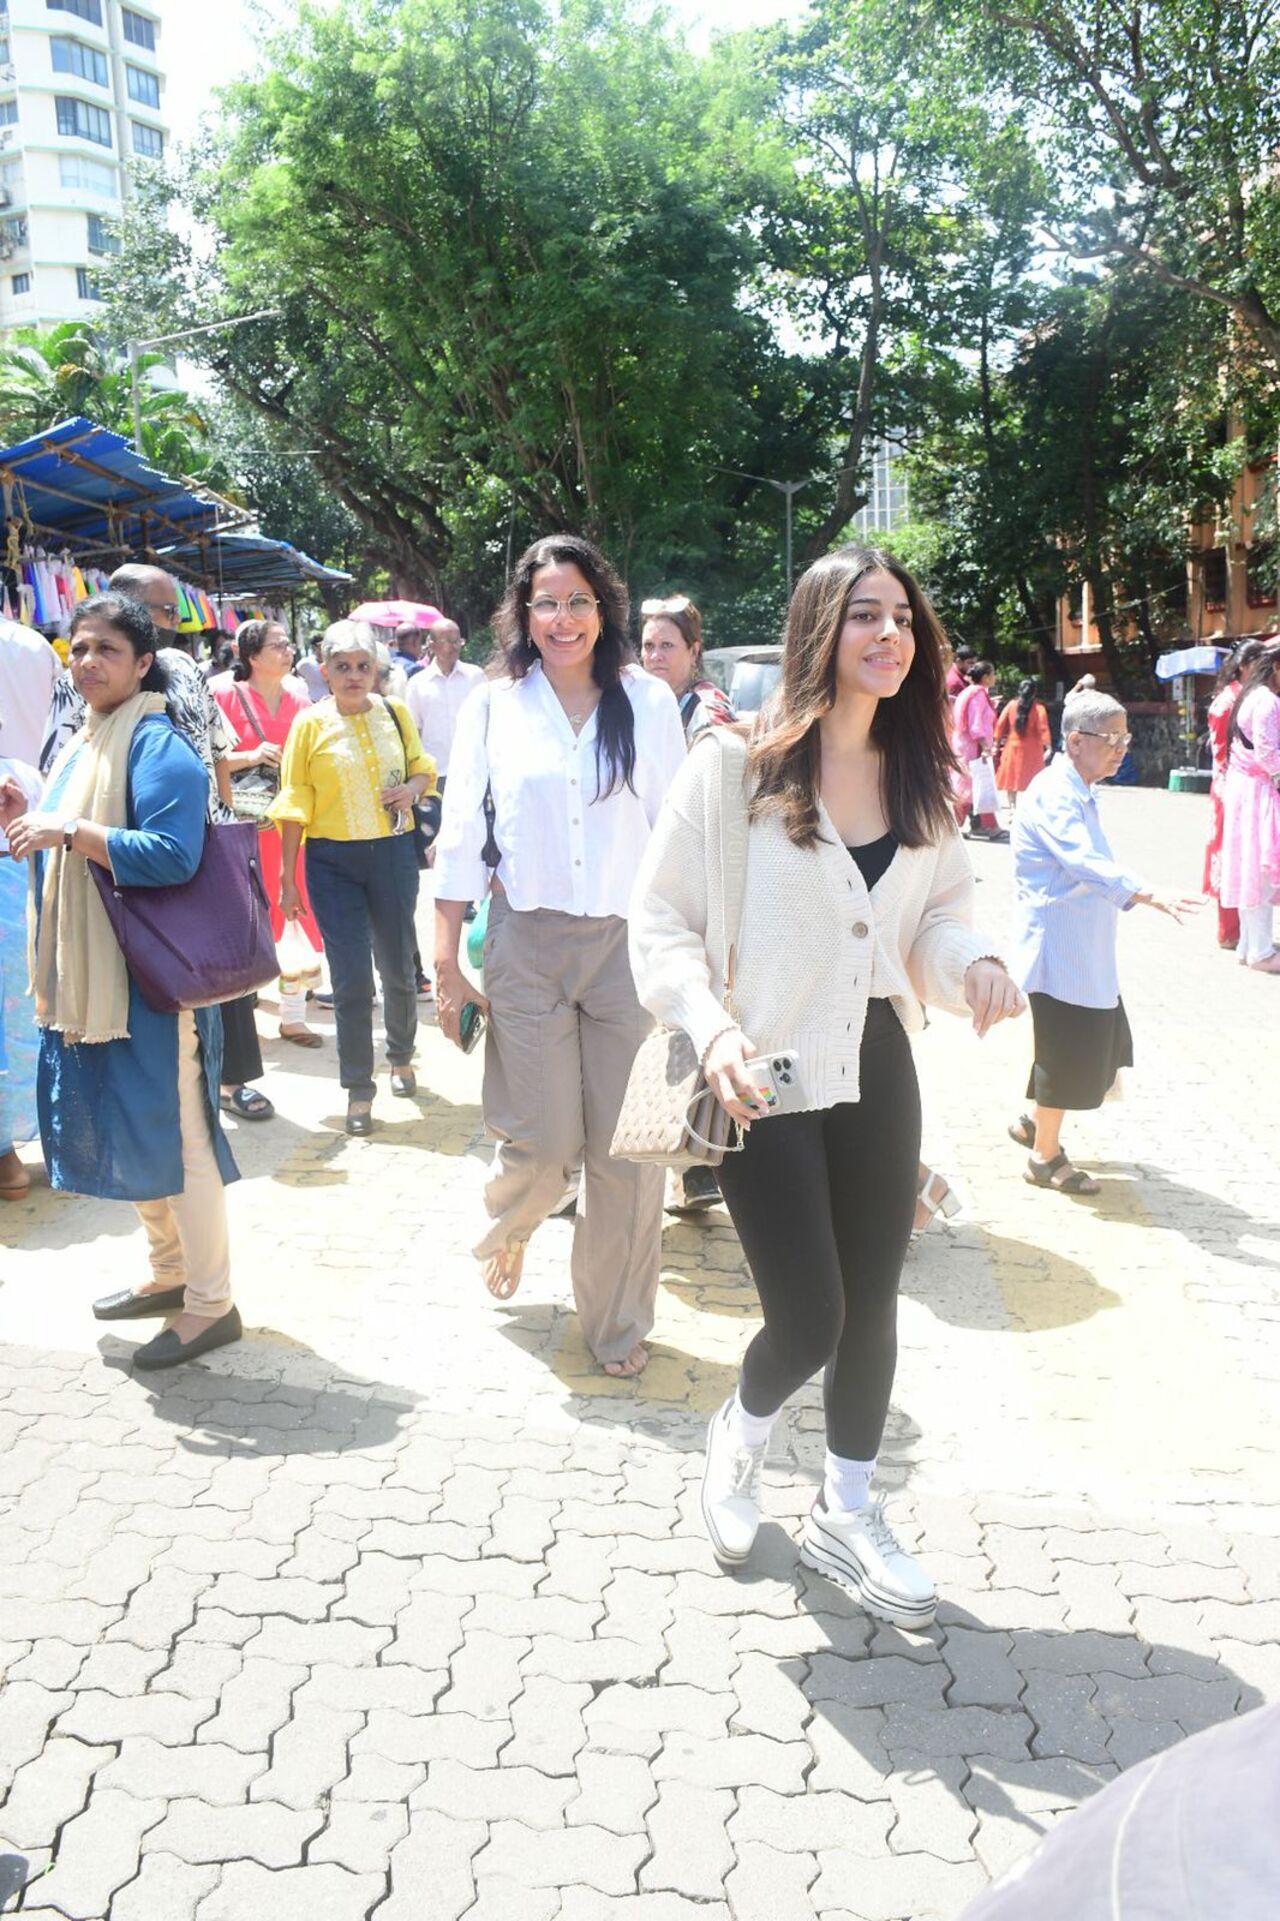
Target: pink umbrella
[{"x": 397, "y": 613}]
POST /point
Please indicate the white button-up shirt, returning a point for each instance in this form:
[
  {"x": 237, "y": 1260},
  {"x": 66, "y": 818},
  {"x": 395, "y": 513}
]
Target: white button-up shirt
[
  {"x": 28, "y": 669},
  {"x": 435, "y": 701},
  {"x": 1069, "y": 892},
  {"x": 562, "y": 847}
]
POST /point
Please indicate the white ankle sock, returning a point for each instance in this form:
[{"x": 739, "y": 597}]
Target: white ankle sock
[
  {"x": 293, "y": 1007},
  {"x": 748, "y": 1430},
  {"x": 848, "y": 1483}
]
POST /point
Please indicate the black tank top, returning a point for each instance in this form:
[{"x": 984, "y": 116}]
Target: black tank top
[{"x": 874, "y": 857}]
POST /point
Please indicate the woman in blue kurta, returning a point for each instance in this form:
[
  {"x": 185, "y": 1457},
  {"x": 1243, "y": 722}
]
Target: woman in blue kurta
[{"x": 128, "y": 1098}]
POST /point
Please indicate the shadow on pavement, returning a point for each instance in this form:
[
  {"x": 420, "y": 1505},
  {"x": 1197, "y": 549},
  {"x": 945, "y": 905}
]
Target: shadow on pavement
[
  {"x": 973, "y": 1723},
  {"x": 228, "y": 1414},
  {"x": 1199, "y": 1216},
  {"x": 1020, "y": 1287}
]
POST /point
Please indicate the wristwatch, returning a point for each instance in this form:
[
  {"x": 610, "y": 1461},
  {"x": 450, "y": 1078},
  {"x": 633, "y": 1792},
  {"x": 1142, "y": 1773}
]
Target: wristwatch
[{"x": 69, "y": 828}]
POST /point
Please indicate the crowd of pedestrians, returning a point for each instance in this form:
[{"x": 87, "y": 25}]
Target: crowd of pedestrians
[{"x": 786, "y": 895}]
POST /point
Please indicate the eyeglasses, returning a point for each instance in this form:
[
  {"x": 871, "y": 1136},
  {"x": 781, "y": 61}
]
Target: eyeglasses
[
  {"x": 169, "y": 607},
  {"x": 1113, "y": 740},
  {"x": 578, "y": 606}
]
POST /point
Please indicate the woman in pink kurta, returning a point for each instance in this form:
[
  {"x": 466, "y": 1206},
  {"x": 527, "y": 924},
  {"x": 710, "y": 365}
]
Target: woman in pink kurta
[
  {"x": 1249, "y": 865},
  {"x": 260, "y": 703},
  {"x": 973, "y": 726}
]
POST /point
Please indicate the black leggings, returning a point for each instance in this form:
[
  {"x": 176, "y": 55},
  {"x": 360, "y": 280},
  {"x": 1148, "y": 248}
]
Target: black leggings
[
  {"x": 241, "y": 1048},
  {"x": 823, "y": 1204}
]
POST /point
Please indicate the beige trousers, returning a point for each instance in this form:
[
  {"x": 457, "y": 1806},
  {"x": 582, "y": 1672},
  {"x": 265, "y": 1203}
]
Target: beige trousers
[
  {"x": 188, "y": 1231},
  {"x": 563, "y": 1031}
]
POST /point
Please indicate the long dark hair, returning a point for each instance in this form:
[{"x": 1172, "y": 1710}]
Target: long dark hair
[
  {"x": 251, "y": 638},
  {"x": 615, "y": 722},
  {"x": 1027, "y": 692},
  {"x": 910, "y": 729},
  {"x": 1235, "y": 663},
  {"x": 133, "y": 620},
  {"x": 1256, "y": 674}
]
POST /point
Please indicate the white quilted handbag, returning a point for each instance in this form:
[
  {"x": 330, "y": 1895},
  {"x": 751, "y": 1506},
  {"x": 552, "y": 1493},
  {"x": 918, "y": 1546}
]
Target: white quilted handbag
[{"x": 669, "y": 1114}]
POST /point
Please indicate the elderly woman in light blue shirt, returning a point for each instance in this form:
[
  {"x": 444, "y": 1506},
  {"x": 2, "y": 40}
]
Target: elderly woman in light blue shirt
[{"x": 1069, "y": 894}]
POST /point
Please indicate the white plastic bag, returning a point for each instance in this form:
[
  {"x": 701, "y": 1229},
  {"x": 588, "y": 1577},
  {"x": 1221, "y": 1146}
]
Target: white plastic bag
[
  {"x": 296, "y": 957},
  {"x": 985, "y": 799}
]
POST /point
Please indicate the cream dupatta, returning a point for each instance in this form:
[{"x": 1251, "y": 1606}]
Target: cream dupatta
[{"x": 78, "y": 975}]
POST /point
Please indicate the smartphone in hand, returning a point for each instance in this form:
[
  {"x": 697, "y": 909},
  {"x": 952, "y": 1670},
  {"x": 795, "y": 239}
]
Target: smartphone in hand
[{"x": 470, "y": 1026}]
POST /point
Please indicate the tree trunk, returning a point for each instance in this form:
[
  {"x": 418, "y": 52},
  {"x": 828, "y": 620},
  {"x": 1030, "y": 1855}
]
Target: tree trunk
[
  {"x": 1042, "y": 623},
  {"x": 1101, "y": 602}
]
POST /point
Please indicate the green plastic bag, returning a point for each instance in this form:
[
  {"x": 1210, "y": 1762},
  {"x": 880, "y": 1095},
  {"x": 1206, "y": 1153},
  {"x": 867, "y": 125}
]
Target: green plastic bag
[{"x": 476, "y": 933}]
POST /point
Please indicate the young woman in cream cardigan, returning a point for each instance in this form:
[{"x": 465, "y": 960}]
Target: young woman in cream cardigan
[{"x": 857, "y": 908}]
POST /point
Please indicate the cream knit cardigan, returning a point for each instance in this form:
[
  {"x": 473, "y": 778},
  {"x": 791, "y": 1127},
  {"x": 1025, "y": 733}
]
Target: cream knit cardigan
[{"x": 815, "y": 946}]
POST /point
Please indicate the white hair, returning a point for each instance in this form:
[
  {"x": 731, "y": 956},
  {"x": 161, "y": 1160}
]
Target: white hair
[
  {"x": 1089, "y": 712},
  {"x": 348, "y": 637}
]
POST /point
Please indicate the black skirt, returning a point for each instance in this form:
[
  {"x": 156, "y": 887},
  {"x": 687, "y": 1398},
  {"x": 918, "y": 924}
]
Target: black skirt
[{"x": 1078, "y": 1052}]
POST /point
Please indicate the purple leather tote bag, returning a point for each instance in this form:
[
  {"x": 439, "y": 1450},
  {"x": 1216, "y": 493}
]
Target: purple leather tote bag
[{"x": 207, "y": 939}]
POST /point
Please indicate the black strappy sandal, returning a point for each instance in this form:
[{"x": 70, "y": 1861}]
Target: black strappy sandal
[
  {"x": 1023, "y": 1131},
  {"x": 1074, "y": 1180}
]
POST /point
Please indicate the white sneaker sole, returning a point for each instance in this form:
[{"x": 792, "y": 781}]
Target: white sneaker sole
[
  {"x": 723, "y": 1554},
  {"x": 835, "y": 1561}
]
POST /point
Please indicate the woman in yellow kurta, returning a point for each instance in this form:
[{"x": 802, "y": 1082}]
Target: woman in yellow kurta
[{"x": 353, "y": 769}]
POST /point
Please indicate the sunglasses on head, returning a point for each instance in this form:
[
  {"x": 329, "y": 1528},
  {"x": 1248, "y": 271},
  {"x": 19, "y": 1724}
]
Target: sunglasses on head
[{"x": 674, "y": 604}]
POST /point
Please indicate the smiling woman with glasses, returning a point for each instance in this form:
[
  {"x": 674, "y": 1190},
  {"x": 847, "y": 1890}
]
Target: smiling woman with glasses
[
  {"x": 1069, "y": 894},
  {"x": 556, "y": 775}
]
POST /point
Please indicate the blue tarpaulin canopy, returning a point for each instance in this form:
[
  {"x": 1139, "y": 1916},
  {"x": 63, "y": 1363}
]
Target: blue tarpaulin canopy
[
  {"x": 82, "y": 487},
  {"x": 238, "y": 563},
  {"x": 1190, "y": 660}
]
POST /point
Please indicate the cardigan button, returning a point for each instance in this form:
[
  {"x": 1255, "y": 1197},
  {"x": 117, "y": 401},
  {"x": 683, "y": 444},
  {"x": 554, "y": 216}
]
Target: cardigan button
[{"x": 860, "y": 930}]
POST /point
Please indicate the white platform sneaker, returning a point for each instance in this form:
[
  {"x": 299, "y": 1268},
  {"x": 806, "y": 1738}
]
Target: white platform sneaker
[
  {"x": 861, "y": 1551},
  {"x": 731, "y": 1491}
]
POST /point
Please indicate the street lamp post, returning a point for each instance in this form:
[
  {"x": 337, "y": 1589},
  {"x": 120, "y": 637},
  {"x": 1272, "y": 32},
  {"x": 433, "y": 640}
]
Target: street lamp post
[
  {"x": 788, "y": 489},
  {"x": 137, "y": 347}
]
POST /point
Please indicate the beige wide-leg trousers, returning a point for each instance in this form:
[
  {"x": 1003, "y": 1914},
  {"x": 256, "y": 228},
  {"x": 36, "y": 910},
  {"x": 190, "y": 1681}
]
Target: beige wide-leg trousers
[
  {"x": 564, "y": 1028},
  {"x": 188, "y": 1231}
]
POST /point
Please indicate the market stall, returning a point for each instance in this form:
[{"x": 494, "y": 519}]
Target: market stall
[{"x": 1184, "y": 667}]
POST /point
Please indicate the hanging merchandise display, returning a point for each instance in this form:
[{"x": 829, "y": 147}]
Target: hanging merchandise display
[
  {"x": 232, "y": 614},
  {"x": 42, "y": 589}
]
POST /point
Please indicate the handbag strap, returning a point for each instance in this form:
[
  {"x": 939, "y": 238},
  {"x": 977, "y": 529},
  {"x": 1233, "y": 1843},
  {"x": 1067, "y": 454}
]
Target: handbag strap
[
  {"x": 734, "y": 1146},
  {"x": 734, "y": 825},
  {"x": 490, "y": 853},
  {"x": 404, "y": 745},
  {"x": 249, "y": 714}
]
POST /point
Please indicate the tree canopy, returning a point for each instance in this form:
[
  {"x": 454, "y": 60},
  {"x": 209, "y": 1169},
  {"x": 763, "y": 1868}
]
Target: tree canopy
[{"x": 537, "y": 264}]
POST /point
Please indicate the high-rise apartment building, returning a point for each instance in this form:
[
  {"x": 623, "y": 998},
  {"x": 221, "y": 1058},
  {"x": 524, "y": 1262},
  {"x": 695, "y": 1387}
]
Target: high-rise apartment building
[
  {"x": 888, "y": 501},
  {"x": 81, "y": 98}
]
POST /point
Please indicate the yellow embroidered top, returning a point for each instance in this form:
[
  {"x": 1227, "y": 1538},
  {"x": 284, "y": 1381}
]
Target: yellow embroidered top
[{"x": 336, "y": 767}]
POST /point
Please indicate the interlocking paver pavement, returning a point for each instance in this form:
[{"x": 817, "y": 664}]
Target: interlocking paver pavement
[{"x": 402, "y": 1609}]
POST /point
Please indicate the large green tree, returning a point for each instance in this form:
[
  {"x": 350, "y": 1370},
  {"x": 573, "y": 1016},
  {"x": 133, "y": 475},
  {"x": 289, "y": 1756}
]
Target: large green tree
[
  {"x": 1161, "y": 119},
  {"x": 895, "y": 236},
  {"x": 507, "y": 266}
]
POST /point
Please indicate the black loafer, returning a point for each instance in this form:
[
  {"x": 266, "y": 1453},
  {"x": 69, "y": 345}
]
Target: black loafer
[
  {"x": 359, "y": 1123},
  {"x": 168, "y": 1351},
  {"x": 128, "y": 1306},
  {"x": 404, "y": 1082}
]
